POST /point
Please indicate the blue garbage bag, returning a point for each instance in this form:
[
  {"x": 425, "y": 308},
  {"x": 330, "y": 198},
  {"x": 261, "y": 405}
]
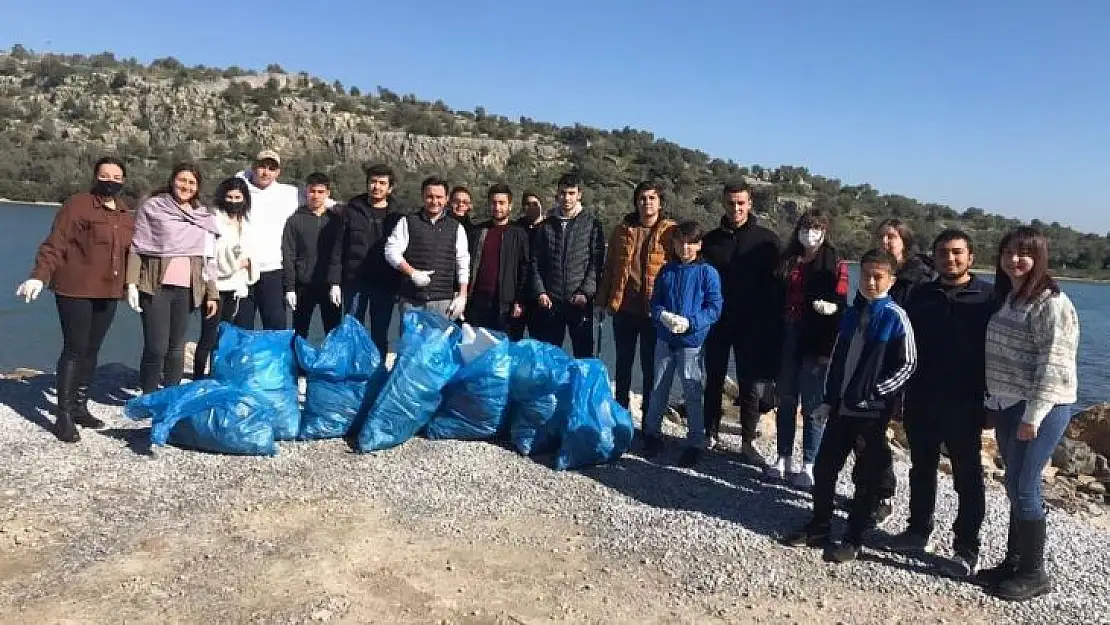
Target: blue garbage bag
[
  {"x": 534, "y": 425},
  {"x": 538, "y": 369},
  {"x": 539, "y": 381},
  {"x": 597, "y": 429},
  {"x": 474, "y": 401},
  {"x": 343, "y": 378},
  {"x": 208, "y": 415},
  {"x": 413, "y": 392},
  {"x": 262, "y": 360}
]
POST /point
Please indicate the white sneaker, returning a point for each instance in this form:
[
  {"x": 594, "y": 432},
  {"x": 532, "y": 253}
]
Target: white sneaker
[
  {"x": 804, "y": 478},
  {"x": 778, "y": 470}
]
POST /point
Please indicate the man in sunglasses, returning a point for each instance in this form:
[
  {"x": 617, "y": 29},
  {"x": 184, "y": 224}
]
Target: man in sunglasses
[{"x": 272, "y": 203}]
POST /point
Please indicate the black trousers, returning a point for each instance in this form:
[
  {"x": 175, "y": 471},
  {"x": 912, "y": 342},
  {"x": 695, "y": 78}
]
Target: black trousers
[
  {"x": 309, "y": 298},
  {"x": 85, "y": 323},
  {"x": 843, "y": 435},
  {"x": 240, "y": 313},
  {"x": 627, "y": 330},
  {"x": 959, "y": 426},
  {"x": 718, "y": 347},
  {"x": 516, "y": 326},
  {"x": 552, "y": 325},
  {"x": 269, "y": 297},
  {"x": 484, "y": 311},
  {"x": 165, "y": 319}
]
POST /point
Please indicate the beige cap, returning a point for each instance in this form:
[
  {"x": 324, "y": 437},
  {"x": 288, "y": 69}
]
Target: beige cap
[{"x": 268, "y": 155}]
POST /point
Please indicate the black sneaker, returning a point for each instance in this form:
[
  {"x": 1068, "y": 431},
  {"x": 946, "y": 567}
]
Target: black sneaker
[
  {"x": 652, "y": 446},
  {"x": 843, "y": 551},
  {"x": 965, "y": 563},
  {"x": 805, "y": 537},
  {"x": 912, "y": 541},
  {"x": 689, "y": 458},
  {"x": 882, "y": 512}
]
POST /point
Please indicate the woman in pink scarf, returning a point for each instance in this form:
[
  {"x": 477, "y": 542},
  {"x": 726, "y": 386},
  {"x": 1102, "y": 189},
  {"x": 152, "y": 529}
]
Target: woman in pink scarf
[{"x": 170, "y": 273}]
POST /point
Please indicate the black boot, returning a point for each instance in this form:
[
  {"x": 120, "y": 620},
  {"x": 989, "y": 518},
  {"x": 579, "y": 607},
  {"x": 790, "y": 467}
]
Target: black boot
[
  {"x": 64, "y": 427},
  {"x": 81, "y": 414},
  {"x": 1030, "y": 580},
  {"x": 1008, "y": 567}
]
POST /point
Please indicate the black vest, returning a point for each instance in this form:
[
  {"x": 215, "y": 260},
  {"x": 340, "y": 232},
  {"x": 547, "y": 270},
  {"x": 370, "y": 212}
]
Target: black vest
[{"x": 432, "y": 248}]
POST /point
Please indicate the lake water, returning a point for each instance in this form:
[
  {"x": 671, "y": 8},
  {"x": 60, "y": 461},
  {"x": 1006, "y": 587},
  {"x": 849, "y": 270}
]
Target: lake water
[{"x": 31, "y": 336}]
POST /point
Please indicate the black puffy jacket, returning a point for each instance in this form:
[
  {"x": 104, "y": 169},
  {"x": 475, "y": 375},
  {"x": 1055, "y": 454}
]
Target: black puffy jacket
[
  {"x": 567, "y": 256},
  {"x": 359, "y": 256}
]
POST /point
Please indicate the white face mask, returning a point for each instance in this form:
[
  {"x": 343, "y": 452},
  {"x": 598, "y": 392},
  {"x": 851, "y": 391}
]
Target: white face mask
[{"x": 811, "y": 238}]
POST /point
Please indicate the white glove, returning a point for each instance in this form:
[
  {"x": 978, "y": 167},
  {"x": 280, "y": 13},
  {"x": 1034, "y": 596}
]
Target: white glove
[
  {"x": 133, "y": 298},
  {"x": 421, "y": 278},
  {"x": 670, "y": 321},
  {"x": 681, "y": 325},
  {"x": 291, "y": 300},
  {"x": 336, "y": 295},
  {"x": 821, "y": 413},
  {"x": 241, "y": 292},
  {"x": 456, "y": 308},
  {"x": 824, "y": 308},
  {"x": 29, "y": 290}
]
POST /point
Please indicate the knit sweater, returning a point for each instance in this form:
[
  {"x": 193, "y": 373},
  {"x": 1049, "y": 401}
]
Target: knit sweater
[{"x": 1031, "y": 355}]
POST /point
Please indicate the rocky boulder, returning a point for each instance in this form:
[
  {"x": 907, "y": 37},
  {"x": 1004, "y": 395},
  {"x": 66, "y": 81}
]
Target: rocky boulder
[
  {"x": 1092, "y": 426},
  {"x": 1074, "y": 457}
]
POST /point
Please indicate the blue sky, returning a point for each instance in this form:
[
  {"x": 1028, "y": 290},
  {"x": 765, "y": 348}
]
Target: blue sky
[{"x": 1001, "y": 104}]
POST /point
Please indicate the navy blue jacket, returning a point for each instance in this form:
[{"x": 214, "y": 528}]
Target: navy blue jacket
[
  {"x": 691, "y": 290},
  {"x": 950, "y": 324},
  {"x": 887, "y": 361}
]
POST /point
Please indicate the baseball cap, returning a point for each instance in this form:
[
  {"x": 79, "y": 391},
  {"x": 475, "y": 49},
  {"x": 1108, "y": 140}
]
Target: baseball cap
[{"x": 268, "y": 155}]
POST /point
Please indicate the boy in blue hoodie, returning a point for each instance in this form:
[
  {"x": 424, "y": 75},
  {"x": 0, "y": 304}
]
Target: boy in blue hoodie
[
  {"x": 685, "y": 303},
  {"x": 873, "y": 359}
]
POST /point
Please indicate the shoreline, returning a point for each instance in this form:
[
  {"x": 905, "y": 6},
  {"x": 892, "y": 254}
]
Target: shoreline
[
  {"x": 4, "y": 200},
  {"x": 989, "y": 271}
]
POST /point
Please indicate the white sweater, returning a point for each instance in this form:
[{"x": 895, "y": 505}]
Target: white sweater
[
  {"x": 270, "y": 208},
  {"x": 229, "y": 275}
]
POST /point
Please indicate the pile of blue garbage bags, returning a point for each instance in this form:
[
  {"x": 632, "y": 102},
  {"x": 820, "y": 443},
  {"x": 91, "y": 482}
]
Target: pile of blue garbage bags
[{"x": 447, "y": 382}]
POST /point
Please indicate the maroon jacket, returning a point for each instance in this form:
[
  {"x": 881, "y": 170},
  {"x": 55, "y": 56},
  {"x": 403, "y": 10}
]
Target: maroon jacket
[{"x": 85, "y": 254}]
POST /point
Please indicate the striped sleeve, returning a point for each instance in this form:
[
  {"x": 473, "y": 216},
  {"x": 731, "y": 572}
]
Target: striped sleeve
[{"x": 902, "y": 352}]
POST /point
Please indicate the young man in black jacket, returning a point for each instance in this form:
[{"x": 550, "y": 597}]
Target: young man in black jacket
[
  {"x": 944, "y": 399},
  {"x": 567, "y": 258},
  {"x": 746, "y": 255},
  {"x": 361, "y": 279},
  {"x": 306, "y": 249},
  {"x": 532, "y": 207},
  {"x": 499, "y": 267}
]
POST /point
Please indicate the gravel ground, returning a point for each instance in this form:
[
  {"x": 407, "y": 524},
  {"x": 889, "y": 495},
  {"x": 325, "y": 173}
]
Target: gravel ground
[{"x": 105, "y": 530}]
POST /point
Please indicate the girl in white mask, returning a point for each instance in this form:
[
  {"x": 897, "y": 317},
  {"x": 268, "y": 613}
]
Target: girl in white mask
[{"x": 815, "y": 285}]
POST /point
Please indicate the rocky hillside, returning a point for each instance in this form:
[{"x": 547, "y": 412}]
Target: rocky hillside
[{"x": 58, "y": 113}]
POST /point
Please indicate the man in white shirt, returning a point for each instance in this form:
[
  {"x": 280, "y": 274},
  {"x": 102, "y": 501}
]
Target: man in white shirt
[
  {"x": 272, "y": 203},
  {"x": 431, "y": 251}
]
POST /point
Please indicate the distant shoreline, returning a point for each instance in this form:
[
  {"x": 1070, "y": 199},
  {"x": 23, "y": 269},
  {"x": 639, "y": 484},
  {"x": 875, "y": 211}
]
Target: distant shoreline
[
  {"x": 4, "y": 200},
  {"x": 989, "y": 271}
]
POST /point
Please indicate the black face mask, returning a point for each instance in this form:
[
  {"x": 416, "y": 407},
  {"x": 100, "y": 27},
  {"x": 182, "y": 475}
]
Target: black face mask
[
  {"x": 107, "y": 188},
  {"x": 233, "y": 208}
]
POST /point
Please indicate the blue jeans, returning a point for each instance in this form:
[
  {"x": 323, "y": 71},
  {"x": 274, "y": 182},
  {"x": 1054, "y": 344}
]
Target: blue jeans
[
  {"x": 688, "y": 361},
  {"x": 379, "y": 303},
  {"x": 804, "y": 377},
  {"x": 1025, "y": 460}
]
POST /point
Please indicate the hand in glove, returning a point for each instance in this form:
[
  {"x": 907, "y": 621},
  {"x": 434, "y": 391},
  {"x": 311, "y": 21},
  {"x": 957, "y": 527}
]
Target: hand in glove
[
  {"x": 670, "y": 321},
  {"x": 824, "y": 308},
  {"x": 336, "y": 296},
  {"x": 456, "y": 308},
  {"x": 681, "y": 325},
  {"x": 29, "y": 290},
  {"x": 821, "y": 413},
  {"x": 133, "y": 298},
  {"x": 291, "y": 300},
  {"x": 421, "y": 278},
  {"x": 241, "y": 292}
]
